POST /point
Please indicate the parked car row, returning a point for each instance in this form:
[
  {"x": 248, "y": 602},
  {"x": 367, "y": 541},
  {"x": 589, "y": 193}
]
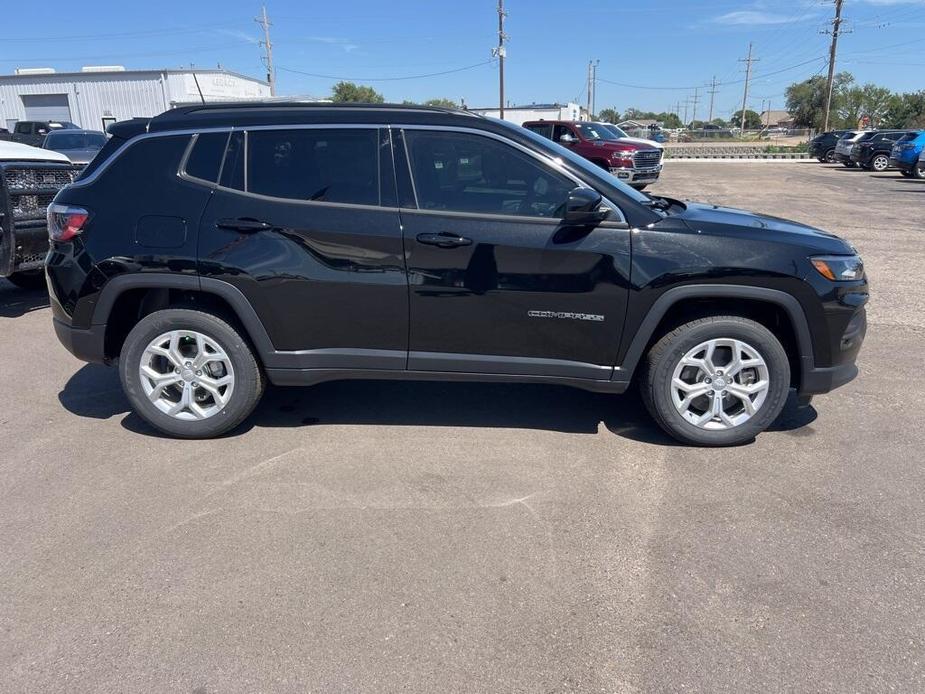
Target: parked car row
[
  {"x": 872, "y": 150},
  {"x": 77, "y": 144}
]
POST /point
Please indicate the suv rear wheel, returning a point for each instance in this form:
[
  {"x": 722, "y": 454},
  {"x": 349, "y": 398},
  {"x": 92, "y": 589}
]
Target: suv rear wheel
[
  {"x": 189, "y": 373},
  {"x": 829, "y": 157},
  {"x": 880, "y": 162},
  {"x": 716, "y": 381}
]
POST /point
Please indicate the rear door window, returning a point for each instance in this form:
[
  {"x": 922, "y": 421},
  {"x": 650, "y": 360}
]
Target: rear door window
[{"x": 315, "y": 164}]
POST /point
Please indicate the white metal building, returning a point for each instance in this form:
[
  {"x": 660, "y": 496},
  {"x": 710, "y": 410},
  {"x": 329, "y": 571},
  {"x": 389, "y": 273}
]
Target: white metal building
[
  {"x": 97, "y": 96},
  {"x": 523, "y": 114}
]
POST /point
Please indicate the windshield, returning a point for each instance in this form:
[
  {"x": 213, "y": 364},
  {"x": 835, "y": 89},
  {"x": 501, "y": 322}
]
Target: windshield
[
  {"x": 66, "y": 140},
  {"x": 595, "y": 131},
  {"x": 615, "y": 130},
  {"x": 556, "y": 150}
]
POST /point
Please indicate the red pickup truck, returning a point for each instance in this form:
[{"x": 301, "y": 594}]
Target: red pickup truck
[{"x": 632, "y": 161}]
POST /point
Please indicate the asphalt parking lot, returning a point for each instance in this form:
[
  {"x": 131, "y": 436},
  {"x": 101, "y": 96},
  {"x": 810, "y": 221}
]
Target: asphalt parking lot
[{"x": 425, "y": 537}]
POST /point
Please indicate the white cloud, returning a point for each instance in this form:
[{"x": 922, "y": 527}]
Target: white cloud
[
  {"x": 241, "y": 35},
  {"x": 346, "y": 44},
  {"x": 751, "y": 18}
]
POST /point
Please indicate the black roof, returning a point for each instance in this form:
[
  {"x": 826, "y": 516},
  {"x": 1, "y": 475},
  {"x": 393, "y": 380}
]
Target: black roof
[{"x": 246, "y": 113}]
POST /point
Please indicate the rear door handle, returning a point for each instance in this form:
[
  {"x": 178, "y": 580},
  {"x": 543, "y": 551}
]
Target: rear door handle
[
  {"x": 245, "y": 224},
  {"x": 444, "y": 240}
]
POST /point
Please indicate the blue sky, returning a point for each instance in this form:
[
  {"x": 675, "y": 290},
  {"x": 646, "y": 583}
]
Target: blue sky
[{"x": 667, "y": 46}]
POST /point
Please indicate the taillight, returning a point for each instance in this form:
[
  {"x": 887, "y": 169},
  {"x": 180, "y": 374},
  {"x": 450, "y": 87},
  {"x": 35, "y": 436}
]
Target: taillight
[{"x": 65, "y": 221}]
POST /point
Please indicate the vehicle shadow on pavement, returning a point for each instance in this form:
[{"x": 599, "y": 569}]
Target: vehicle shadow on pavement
[
  {"x": 16, "y": 302},
  {"x": 94, "y": 392}
]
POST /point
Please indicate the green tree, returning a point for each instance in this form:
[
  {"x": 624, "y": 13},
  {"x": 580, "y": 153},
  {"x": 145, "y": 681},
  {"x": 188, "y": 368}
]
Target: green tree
[
  {"x": 719, "y": 122},
  {"x": 669, "y": 120},
  {"x": 752, "y": 119},
  {"x": 609, "y": 115},
  {"x": 905, "y": 111},
  {"x": 443, "y": 103},
  {"x": 806, "y": 100},
  {"x": 356, "y": 93}
]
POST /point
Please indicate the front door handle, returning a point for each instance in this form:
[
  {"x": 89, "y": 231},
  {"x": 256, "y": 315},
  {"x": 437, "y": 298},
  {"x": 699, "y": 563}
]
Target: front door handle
[
  {"x": 444, "y": 240},
  {"x": 245, "y": 224}
]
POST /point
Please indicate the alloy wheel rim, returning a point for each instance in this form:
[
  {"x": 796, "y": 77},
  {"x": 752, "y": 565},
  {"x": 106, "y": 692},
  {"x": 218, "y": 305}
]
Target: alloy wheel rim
[
  {"x": 720, "y": 384},
  {"x": 880, "y": 163},
  {"x": 186, "y": 375}
]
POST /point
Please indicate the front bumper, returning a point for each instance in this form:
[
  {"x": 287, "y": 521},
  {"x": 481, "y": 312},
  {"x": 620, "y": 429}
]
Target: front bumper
[
  {"x": 634, "y": 175},
  {"x": 903, "y": 164},
  {"x": 817, "y": 380}
]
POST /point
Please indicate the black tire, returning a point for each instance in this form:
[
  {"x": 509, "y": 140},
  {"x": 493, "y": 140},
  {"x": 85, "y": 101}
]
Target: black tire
[
  {"x": 849, "y": 164},
  {"x": 829, "y": 157},
  {"x": 906, "y": 173},
  {"x": 919, "y": 172},
  {"x": 248, "y": 378},
  {"x": 659, "y": 367},
  {"x": 30, "y": 279}
]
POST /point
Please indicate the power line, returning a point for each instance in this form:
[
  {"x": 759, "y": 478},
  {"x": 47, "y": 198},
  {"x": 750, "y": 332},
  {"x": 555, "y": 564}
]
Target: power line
[
  {"x": 383, "y": 79},
  {"x": 718, "y": 84}
]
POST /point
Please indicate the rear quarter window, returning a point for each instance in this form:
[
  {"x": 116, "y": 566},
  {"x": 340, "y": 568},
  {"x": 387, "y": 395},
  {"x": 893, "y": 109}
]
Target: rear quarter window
[
  {"x": 143, "y": 164},
  {"x": 205, "y": 158}
]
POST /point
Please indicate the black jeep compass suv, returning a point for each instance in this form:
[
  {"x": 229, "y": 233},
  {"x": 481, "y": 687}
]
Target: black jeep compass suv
[{"x": 215, "y": 247}]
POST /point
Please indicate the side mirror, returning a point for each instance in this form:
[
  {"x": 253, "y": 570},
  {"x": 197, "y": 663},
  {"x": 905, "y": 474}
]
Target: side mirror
[
  {"x": 42, "y": 131},
  {"x": 583, "y": 207},
  {"x": 567, "y": 139}
]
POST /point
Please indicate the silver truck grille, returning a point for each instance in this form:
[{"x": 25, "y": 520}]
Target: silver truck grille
[
  {"x": 28, "y": 207},
  {"x": 647, "y": 158},
  {"x": 30, "y": 180}
]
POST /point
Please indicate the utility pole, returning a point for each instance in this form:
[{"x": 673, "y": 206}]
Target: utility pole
[
  {"x": 592, "y": 94},
  {"x": 687, "y": 102},
  {"x": 695, "y": 101},
  {"x": 264, "y": 21},
  {"x": 500, "y": 53},
  {"x": 836, "y": 30},
  {"x": 713, "y": 91},
  {"x": 748, "y": 76}
]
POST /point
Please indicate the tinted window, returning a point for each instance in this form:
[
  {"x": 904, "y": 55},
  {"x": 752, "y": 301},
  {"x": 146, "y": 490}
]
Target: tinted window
[
  {"x": 66, "y": 140},
  {"x": 206, "y": 157},
  {"x": 232, "y": 171},
  {"x": 544, "y": 130},
  {"x": 595, "y": 131},
  {"x": 23, "y": 128},
  {"x": 469, "y": 173},
  {"x": 315, "y": 164}
]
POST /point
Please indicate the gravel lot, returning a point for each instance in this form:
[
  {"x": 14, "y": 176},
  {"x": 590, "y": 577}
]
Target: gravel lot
[{"x": 379, "y": 537}]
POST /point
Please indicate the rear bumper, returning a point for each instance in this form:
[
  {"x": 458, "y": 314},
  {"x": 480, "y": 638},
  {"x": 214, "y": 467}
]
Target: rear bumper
[{"x": 86, "y": 345}]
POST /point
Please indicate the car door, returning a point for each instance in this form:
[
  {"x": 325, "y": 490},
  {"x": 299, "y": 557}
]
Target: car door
[
  {"x": 498, "y": 284},
  {"x": 305, "y": 224}
]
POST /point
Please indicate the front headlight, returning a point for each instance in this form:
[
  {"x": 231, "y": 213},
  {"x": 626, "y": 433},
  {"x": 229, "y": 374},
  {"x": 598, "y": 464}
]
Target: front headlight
[{"x": 839, "y": 267}]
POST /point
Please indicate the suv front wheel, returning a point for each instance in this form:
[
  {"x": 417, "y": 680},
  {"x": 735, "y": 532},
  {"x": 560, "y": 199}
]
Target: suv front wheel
[
  {"x": 716, "y": 381},
  {"x": 189, "y": 373}
]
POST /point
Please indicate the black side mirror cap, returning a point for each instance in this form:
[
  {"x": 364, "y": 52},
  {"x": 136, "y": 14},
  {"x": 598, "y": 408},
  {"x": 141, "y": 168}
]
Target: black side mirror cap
[{"x": 584, "y": 207}]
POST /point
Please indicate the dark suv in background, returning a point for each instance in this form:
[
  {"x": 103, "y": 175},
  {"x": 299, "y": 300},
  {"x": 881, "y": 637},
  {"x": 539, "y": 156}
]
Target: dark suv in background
[
  {"x": 872, "y": 152},
  {"x": 216, "y": 247},
  {"x": 822, "y": 147},
  {"x": 33, "y": 132}
]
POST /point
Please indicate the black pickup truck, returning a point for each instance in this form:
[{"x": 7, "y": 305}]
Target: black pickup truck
[{"x": 29, "y": 179}]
